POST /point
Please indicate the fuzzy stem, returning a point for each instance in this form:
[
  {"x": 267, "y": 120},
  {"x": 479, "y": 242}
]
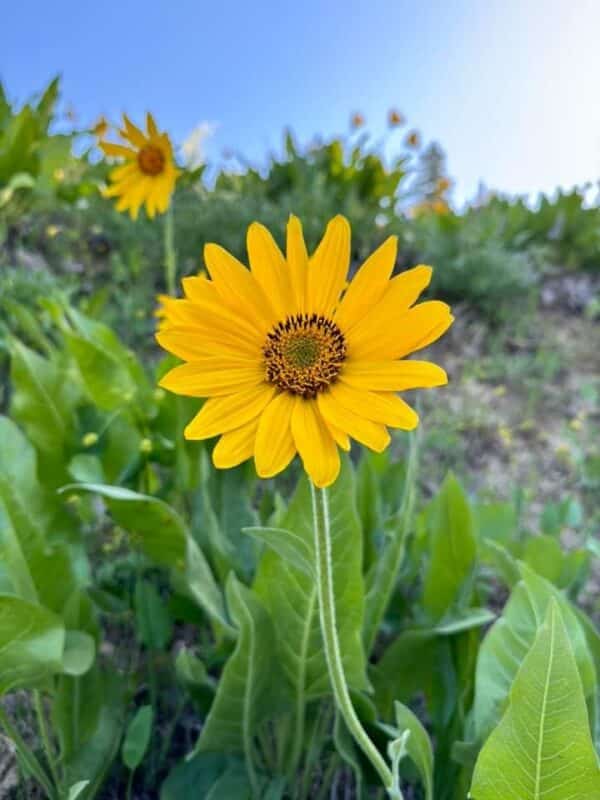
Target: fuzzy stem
[
  {"x": 333, "y": 656},
  {"x": 170, "y": 254}
]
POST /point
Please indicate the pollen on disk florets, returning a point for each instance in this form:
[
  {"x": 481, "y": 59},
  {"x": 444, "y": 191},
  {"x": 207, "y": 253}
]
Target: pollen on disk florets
[
  {"x": 304, "y": 354},
  {"x": 151, "y": 160}
]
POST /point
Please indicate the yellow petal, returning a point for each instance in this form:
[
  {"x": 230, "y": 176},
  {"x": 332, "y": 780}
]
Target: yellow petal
[
  {"x": 238, "y": 287},
  {"x": 211, "y": 313},
  {"x": 193, "y": 342},
  {"x": 394, "y": 335},
  {"x": 384, "y": 408},
  {"x": 235, "y": 446},
  {"x": 133, "y": 133},
  {"x": 151, "y": 126},
  {"x": 222, "y": 414},
  {"x": 274, "y": 447},
  {"x": 393, "y": 376},
  {"x": 270, "y": 269},
  {"x": 314, "y": 443},
  {"x": 328, "y": 268},
  {"x": 212, "y": 377},
  {"x": 340, "y": 438},
  {"x": 365, "y": 431},
  {"x": 297, "y": 259},
  {"x": 118, "y": 150},
  {"x": 369, "y": 285},
  {"x": 384, "y": 317}
]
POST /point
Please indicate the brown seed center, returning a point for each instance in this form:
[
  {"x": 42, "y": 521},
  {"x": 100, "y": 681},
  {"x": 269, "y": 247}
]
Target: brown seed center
[
  {"x": 304, "y": 354},
  {"x": 151, "y": 160}
]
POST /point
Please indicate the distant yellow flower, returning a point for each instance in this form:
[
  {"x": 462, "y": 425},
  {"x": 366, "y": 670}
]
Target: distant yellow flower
[
  {"x": 101, "y": 127},
  {"x": 149, "y": 173},
  {"x": 287, "y": 366},
  {"x": 442, "y": 185},
  {"x": 52, "y": 231},
  {"x": 395, "y": 118},
  {"x": 59, "y": 174},
  {"x": 357, "y": 120},
  {"x": 413, "y": 139},
  {"x": 437, "y": 206}
]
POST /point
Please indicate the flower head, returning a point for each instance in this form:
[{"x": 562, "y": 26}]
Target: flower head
[
  {"x": 289, "y": 362},
  {"x": 148, "y": 174},
  {"x": 413, "y": 139},
  {"x": 357, "y": 120},
  {"x": 101, "y": 127},
  {"x": 395, "y": 118}
]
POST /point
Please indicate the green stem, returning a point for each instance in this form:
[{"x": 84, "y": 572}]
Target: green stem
[
  {"x": 333, "y": 656},
  {"x": 170, "y": 254},
  {"x": 39, "y": 710},
  {"x": 130, "y": 784},
  {"x": 28, "y": 758},
  {"x": 381, "y": 586}
]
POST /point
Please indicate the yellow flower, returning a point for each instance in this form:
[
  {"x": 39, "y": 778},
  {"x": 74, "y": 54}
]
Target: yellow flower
[
  {"x": 100, "y": 127},
  {"x": 52, "y": 231},
  {"x": 442, "y": 185},
  {"x": 357, "y": 120},
  {"x": 395, "y": 118},
  {"x": 149, "y": 173},
  {"x": 413, "y": 139},
  {"x": 287, "y": 366}
]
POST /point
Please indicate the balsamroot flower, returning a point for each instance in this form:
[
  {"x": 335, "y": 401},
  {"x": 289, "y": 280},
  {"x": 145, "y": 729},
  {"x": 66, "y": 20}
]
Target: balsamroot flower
[
  {"x": 148, "y": 174},
  {"x": 395, "y": 118},
  {"x": 413, "y": 139},
  {"x": 289, "y": 362}
]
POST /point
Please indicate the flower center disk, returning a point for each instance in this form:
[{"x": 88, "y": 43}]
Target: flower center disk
[
  {"x": 304, "y": 354},
  {"x": 151, "y": 160}
]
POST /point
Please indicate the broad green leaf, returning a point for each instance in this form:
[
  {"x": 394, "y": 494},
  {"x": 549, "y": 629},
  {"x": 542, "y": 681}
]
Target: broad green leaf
[
  {"x": 542, "y": 748},
  {"x": 291, "y": 594},
  {"x": 89, "y": 717},
  {"x": 194, "y": 777},
  {"x": 289, "y": 545},
  {"x": 158, "y": 530},
  {"x": 418, "y": 745},
  {"x": 153, "y": 622},
  {"x": 32, "y": 641},
  {"x": 245, "y": 694},
  {"x": 453, "y": 550},
  {"x": 137, "y": 737},
  {"x": 79, "y": 653},
  {"x": 77, "y": 789},
  {"x": 43, "y": 403},
  {"x": 509, "y": 640},
  {"x": 383, "y": 574},
  {"x": 105, "y": 377}
]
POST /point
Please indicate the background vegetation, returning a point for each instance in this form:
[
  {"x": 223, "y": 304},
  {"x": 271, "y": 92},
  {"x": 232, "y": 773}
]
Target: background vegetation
[{"x": 135, "y": 604}]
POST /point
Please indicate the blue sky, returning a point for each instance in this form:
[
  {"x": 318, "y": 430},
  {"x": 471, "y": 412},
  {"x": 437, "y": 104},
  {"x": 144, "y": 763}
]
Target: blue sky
[{"x": 510, "y": 88}]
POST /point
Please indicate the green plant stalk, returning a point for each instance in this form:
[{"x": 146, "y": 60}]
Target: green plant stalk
[
  {"x": 39, "y": 710},
  {"x": 29, "y": 759},
  {"x": 390, "y": 562},
  {"x": 170, "y": 254},
  {"x": 333, "y": 656}
]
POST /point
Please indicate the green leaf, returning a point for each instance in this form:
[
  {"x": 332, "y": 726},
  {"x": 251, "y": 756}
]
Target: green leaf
[
  {"x": 418, "y": 745},
  {"x": 76, "y": 790},
  {"x": 32, "y": 641},
  {"x": 245, "y": 694},
  {"x": 509, "y": 640},
  {"x": 291, "y": 594},
  {"x": 79, "y": 653},
  {"x": 289, "y": 545},
  {"x": 137, "y": 737},
  {"x": 158, "y": 530},
  {"x": 153, "y": 622},
  {"x": 453, "y": 550},
  {"x": 43, "y": 403},
  {"x": 542, "y": 748},
  {"x": 194, "y": 777}
]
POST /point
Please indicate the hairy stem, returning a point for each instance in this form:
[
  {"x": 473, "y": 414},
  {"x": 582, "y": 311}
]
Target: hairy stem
[
  {"x": 170, "y": 254},
  {"x": 333, "y": 656}
]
